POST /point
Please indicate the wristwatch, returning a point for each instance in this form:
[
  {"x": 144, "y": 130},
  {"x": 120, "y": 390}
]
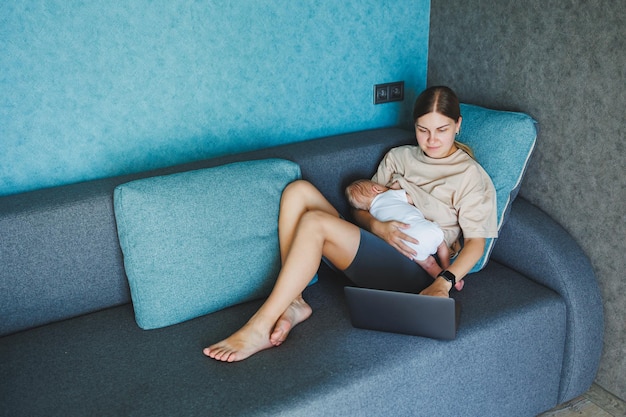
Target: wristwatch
[{"x": 448, "y": 276}]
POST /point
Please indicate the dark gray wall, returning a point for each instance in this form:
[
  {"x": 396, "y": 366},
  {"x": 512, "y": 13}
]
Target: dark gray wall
[{"x": 564, "y": 63}]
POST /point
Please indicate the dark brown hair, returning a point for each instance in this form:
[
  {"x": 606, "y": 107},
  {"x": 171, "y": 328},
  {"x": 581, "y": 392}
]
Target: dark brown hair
[{"x": 439, "y": 99}]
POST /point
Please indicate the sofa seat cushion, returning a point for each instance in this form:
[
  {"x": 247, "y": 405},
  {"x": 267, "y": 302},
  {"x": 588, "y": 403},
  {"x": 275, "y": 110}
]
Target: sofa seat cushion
[
  {"x": 511, "y": 337},
  {"x": 199, "y": 241}
]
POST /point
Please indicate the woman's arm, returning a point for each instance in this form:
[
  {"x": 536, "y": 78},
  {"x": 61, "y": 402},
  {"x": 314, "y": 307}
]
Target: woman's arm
[
  {"x": 466, "y": 259},
  {"x": 391, "y": 232}
]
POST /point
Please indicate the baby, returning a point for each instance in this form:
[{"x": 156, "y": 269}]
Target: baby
[{"x": 393, "y": 203}]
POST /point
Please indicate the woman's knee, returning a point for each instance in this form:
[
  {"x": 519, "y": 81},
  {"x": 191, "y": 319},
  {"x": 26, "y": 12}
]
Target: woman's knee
[
  {"x": 315, "y": 219},
  {"x": 297, "y": 189},
  {"x": 301, "y": 196},
  {"x": 317, "y": 222}
]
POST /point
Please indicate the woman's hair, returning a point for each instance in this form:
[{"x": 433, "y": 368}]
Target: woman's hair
[{"x": 440, "y": 99}]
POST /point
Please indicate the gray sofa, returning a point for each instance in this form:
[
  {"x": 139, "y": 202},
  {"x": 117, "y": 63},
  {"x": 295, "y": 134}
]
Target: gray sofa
[{"x": 530, "y": 335}]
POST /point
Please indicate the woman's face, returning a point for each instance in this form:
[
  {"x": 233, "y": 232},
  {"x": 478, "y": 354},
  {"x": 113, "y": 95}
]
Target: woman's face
[{"x": 436, "y": 133}]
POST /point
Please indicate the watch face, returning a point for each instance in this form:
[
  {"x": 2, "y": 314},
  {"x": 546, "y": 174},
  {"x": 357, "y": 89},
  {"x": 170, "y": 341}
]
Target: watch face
[{"x": 449, "y": 276}]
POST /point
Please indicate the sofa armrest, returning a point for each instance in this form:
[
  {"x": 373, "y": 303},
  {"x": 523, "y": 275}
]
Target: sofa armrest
[{"x": 536, "y": 246}]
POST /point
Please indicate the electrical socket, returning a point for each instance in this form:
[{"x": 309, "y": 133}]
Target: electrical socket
[{"x": 385, "y": 93}]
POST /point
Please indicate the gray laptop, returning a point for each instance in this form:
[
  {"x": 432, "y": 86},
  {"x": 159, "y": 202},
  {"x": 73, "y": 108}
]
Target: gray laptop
[{"x": 399, "y": 312}]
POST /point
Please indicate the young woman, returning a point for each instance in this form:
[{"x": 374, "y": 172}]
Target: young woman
[{"x": 452, "y": 190}]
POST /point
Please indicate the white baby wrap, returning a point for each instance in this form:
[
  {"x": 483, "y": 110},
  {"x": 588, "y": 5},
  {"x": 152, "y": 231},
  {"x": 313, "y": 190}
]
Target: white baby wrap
[{"x": 393, "y": 205}]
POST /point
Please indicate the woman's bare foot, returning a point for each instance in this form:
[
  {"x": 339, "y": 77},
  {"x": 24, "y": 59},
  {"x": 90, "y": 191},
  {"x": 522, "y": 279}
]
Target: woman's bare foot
[
  {"x": 296, "y": 313},
  {"x": 250, "y": 339},
  {"x": 240, "y": 345}
]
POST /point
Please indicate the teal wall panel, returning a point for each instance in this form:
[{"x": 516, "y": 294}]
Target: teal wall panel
[{"x": 97, "y": 89}]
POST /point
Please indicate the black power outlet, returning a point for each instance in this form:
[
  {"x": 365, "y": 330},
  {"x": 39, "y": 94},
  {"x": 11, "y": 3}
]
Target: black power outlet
[{"x": 385, "y": 93}]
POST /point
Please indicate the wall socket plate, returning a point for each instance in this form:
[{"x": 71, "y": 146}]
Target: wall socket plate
[{"x": 385, "y": 93}]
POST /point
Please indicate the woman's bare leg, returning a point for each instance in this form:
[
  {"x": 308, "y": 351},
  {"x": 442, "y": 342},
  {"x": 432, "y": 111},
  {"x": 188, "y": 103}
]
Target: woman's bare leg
[
  {"x": 311, "y": 233},
  {"x": 298, "y": 198}
]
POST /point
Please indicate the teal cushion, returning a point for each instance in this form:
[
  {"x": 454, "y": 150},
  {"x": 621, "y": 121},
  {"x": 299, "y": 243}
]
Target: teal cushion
[
  {"x": 203, "y": 240},
  {"x": 502, "y": 143}
]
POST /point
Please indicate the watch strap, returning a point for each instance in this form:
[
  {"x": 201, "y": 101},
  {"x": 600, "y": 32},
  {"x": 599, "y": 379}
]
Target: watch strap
[{"x": 448, "y": 276}]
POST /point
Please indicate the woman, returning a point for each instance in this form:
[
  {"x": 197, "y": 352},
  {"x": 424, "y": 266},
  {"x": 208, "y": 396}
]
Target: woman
[{"x": 452, "y": 190}]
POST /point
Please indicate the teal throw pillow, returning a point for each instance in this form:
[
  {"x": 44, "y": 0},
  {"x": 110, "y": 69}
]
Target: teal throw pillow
[
  {"x": 200, "y": 241},
  {"x": 502, "y": 143}
]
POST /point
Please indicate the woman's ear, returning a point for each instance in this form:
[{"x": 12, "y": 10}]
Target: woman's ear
[{"x": 458, "y": 125}]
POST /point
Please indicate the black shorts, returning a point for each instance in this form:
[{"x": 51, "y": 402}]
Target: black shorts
[{"x": 378, "y": 265}]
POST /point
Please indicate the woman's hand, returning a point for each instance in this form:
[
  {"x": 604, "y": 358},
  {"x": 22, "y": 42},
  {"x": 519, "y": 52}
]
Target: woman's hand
[
  {"x": 464, "y": 262},
  {"x": 439, "y": 288},
  {"x": 391, "y": 232}
]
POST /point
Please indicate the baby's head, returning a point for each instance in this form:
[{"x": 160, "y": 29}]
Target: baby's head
[{"x": 361, "y": 193}]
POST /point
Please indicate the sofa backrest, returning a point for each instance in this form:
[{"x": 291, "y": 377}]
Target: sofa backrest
[{"x": 59, "y": 249}]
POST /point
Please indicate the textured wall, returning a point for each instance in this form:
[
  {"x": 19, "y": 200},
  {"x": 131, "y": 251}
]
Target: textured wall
[
  {"x": 95, "y": 89},
  {"x": 563, "y": 62}
]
